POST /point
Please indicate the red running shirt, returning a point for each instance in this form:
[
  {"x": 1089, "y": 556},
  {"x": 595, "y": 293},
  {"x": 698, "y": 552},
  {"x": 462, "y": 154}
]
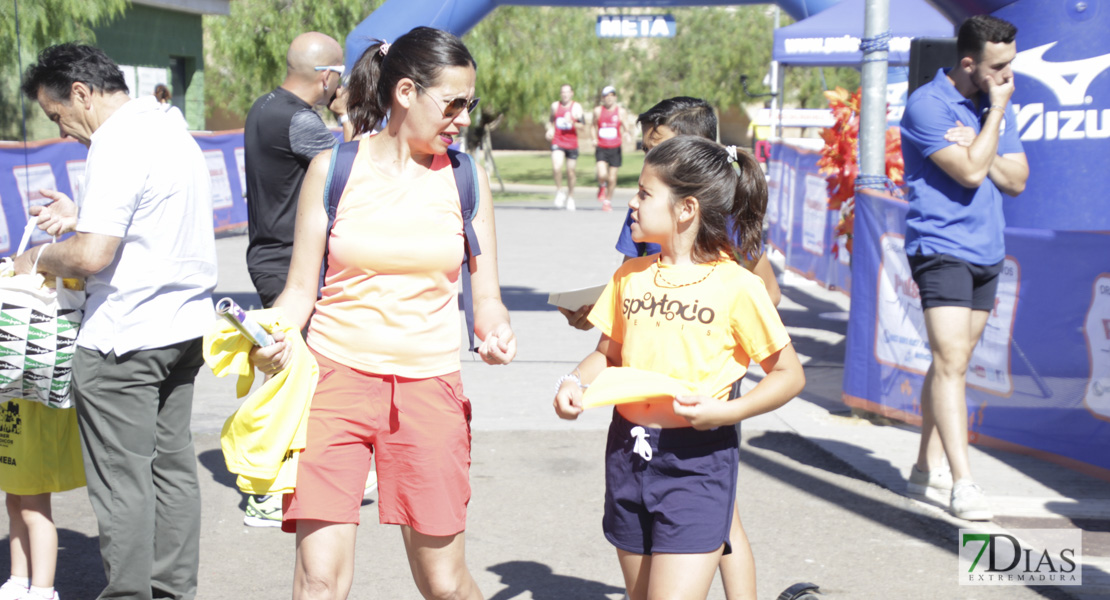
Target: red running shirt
[
  {"x": 566, "y": 136},
  {"x": 609, "y": 128}
]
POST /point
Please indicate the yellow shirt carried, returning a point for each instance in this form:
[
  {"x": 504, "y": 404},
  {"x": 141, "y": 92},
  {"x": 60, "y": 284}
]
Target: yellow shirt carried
[{"x": 263, "y": 438}]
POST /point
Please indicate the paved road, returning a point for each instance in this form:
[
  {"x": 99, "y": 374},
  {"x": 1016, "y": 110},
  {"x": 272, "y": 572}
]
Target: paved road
[{"x": 819, "y": 486}]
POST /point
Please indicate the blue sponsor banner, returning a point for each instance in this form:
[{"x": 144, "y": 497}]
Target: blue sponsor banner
[
  {"x": 60, "y": 165},
  {"x": 1062, "y": 101},
  {"x": 625, "y": 26},
  {"x": 800, "y": 224},
  {"x": 1039, "y": 379}
]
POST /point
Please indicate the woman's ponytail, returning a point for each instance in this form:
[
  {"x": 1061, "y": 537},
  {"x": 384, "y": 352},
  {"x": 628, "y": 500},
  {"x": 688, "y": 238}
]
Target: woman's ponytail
[{"x": 365, "y": 107}]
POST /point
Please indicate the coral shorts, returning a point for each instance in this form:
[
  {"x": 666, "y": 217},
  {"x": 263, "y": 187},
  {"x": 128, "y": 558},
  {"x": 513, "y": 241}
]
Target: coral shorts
[{"x": 420, "y": 431}]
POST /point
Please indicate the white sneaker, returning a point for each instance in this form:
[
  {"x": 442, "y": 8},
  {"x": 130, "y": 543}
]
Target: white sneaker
[
  {"x": 560, "y": 198},
  {"x": 371, "y": 484},
  {"x": 13, "y": 591},
  {"x": 969, "y": 502},
  {"x": 921, "y": 483},
  {"x": 570, "y": 203}
]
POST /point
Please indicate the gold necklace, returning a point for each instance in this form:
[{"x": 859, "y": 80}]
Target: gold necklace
[{"x": 659, "y": 276}]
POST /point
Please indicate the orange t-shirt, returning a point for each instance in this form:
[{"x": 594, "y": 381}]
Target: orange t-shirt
[{"x": 389, "y": 303}]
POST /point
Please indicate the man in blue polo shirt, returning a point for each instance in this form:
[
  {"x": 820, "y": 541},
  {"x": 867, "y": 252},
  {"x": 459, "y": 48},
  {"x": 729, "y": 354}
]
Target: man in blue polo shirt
[{"x": 961, "y": 149}]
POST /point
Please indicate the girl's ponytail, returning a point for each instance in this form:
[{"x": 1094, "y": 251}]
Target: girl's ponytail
[{"x": 749, "y": 204}]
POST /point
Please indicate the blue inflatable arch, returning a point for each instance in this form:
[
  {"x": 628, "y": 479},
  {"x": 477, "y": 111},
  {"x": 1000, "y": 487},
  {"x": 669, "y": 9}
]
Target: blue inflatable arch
[{"x": 397, "y": 17}]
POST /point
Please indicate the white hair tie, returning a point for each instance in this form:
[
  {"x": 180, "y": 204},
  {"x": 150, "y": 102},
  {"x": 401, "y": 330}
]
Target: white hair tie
[
  {"x": 384, "y": 48},
  {"x": 731, "y": 153}
]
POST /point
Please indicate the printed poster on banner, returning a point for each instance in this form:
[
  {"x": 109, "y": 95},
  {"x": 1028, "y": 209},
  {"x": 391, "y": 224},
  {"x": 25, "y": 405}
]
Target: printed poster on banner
[
  {"x": 786, "y": 209},
  {"x": 815, "y": 214},
  {"x": 1097, "y": 330},
  {"x": 241, "y": 164},
  {"x": 221, "y": 185},
  {"x": 900, "y": 337},
  {"x": 76, "y": 171},
  {"x": 774, "y": 190},
  {"x": 842, "y": 255},
  {"x": 30, "y": 180}
]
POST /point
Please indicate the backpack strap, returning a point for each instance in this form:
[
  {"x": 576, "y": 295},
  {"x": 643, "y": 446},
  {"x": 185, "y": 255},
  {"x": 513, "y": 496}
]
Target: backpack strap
[
  {"x": 466, "y": 179},
  {"x": 339, "y": 171}
]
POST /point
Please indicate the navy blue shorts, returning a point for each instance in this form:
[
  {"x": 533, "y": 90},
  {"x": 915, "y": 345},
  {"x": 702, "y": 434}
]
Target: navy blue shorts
[
  {"x": 679, "y": 501},
  {"x": 944, "y": 280}
]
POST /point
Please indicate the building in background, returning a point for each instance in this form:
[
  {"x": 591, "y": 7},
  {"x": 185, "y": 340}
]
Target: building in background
[{"x": 162, "y": 41}]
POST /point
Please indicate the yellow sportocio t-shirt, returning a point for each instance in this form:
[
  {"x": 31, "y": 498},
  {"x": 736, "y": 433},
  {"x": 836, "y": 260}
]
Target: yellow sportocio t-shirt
[{"x": 698, "y": 323}]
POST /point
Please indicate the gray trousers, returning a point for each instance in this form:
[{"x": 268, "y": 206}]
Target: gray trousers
[{"x": 134, "y": 414}]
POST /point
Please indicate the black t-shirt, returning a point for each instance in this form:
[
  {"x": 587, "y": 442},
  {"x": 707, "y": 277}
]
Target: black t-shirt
[{"x": 281, "y": 137}]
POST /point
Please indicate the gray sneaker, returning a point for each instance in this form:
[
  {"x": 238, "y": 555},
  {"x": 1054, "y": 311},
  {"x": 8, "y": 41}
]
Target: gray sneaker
[
  {"x": 921, "y": 483},
  {"x": 969, "y": 502}
]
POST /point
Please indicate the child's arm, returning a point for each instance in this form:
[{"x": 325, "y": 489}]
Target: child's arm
[
  {"x": 785, "y": 379},
  {"x": 568, "y": 397}
]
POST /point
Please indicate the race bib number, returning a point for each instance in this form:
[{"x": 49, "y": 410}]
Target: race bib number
[
  {"x": 607, "y": 133},
  {"x": 564, "y": 123}
]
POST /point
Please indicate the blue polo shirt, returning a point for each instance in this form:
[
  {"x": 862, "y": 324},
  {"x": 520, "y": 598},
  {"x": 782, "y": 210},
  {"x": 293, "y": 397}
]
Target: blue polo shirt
[{"x": 945, "y": 217}]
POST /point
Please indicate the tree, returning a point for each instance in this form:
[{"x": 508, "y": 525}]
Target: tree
[
  {"x": 41, "y": 23},
  {"x": 246, "y": 49}
]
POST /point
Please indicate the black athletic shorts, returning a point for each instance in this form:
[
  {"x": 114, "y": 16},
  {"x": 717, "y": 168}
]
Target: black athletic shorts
[
  {"x": 944, "y": 280},
  {"x": 609, "y": 155},
  {"x": 571, "y": 153}
]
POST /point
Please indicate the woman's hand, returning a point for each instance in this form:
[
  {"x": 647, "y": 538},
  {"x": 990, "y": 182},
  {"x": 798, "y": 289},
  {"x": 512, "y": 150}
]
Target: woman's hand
[
  {"x": 702, "y": 412},
  {"x": 272, "y": 358},
  {"x": 499, "y": 347},
  {"x": 568, "y": 400}
]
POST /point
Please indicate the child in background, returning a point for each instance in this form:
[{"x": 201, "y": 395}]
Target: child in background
[
  {"x": 693, "y": 313},
  {"x": 43, "y": 456}
]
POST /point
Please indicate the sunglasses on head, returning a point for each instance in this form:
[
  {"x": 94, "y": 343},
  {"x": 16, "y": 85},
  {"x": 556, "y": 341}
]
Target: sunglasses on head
[{"x": 455, "y": 105}]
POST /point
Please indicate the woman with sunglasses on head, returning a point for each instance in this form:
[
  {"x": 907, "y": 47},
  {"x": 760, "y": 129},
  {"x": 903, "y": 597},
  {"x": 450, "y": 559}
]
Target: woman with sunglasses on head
[{"x": 385, "y": 331}]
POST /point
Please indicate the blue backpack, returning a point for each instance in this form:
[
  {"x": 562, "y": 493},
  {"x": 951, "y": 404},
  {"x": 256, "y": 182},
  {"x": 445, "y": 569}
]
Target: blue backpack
[{"x": 466, "y": 179}]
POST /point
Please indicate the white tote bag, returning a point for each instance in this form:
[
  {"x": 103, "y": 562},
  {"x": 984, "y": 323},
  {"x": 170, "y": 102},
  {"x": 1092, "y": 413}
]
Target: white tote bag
[{"x": 38, "y": 334}]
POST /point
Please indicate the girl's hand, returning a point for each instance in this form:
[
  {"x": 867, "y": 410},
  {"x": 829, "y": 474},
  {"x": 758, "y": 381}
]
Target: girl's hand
[
  {"x": 499, "y": 347},
  {"x": 577, "y": 318},
  {"x": 272, "y": 358},
  {"x": 702, "y": 412},
  {"x": 568, "y": 401}
]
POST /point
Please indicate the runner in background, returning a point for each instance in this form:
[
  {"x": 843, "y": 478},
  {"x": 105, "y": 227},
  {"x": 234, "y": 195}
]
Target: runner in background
[
  {"x": 562, "y": 132},
  {"x": 611, "y": 125}
]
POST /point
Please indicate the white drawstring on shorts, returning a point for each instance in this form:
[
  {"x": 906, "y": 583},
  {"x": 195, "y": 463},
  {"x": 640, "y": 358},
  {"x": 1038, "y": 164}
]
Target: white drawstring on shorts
[{"x": 641, "y": 447}]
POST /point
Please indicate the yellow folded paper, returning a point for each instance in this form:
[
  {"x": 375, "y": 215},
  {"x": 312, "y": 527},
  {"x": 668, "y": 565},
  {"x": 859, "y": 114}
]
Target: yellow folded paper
[{"x": 625, "y": 385}]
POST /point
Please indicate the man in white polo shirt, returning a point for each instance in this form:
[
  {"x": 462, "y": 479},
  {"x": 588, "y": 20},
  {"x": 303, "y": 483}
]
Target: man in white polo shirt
[{"x": 144, "y": 244}]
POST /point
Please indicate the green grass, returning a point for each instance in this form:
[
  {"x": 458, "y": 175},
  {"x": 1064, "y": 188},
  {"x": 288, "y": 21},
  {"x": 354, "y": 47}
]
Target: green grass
[
  {"x": 499, "y": 196},
  {"x": 535, "y": 168}
]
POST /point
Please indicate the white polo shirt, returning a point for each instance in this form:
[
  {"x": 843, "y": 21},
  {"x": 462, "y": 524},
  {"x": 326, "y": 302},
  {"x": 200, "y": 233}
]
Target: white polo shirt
[{"x": 146, "y": 182}]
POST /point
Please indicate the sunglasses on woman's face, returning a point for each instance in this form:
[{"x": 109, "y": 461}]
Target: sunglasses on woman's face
[{"x": 455, "y": 105}]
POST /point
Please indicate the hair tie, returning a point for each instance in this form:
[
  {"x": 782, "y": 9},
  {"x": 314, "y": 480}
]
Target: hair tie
[
  {"x": 384, "y": 48},
  {"x": 731, "y": 153}
]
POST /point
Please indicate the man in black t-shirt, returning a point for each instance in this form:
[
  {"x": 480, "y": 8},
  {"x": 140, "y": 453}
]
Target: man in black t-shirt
[{"x": 282, "y": 135}]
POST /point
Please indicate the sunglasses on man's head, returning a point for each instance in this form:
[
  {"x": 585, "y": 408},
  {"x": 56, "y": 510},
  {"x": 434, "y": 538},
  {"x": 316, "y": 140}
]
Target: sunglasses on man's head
[{"x": 455, "y": 105}]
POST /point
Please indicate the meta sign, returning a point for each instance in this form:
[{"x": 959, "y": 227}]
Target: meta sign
[
  {"x": 1062, "y": 97},
  {"x": 624, "y": 26}
]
